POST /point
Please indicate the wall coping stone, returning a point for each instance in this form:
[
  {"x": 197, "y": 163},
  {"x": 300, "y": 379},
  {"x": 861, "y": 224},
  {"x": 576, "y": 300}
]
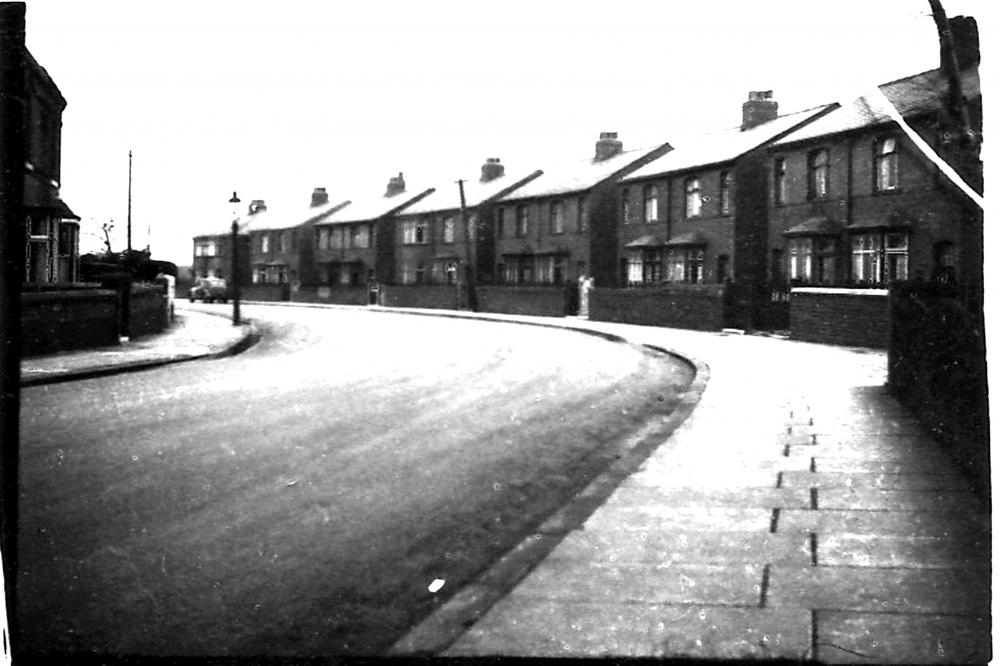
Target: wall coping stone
[{"x": 840, "y": 291}]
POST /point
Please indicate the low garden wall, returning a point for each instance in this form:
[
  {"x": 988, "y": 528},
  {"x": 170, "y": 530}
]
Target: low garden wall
[
  {"x": 691, "y": 306},
  {"x": 340, "y": 295},
  {"x": 58, "y": 318},
  {"x": 430, "y": 296},
  {"x": 850, "y": 317},
  {"x": 537, "y": 301},
  {"x": 266, "y": 292},
  {"x": 937, "y": 368}
]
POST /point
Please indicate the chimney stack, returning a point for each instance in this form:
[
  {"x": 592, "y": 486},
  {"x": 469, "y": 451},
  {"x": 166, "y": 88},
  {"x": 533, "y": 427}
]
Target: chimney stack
[
  {"x": 759, "y": 108},
  {"x": 396, "y": 185},
  {"x": 607, "y": 146},
  {"x": 965, "y": 37},
  {"x": 256, "y": 206},
  {"x": 319, "y": 197},
  {"x": 492, "y": 169}
]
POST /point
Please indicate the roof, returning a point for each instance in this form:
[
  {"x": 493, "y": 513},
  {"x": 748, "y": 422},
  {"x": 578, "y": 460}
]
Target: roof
[
  {"x": 476, "y": 192},
  {"x": 372, "y": 208},
  {"x": 649, "y": 240},
  {"x": 896, "y": 219},
  {"x": 268, "y": 220},
  {"x": 815, "y": 226},
  {"x": 695, "y": 238},
  {"x": 723, "y": 146},
  {"x": 579, "y": 175},
  {"x": 913, "y": 95}
]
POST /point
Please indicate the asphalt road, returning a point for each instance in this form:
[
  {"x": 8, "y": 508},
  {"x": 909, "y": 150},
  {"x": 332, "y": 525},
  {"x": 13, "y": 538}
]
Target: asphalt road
[{"x": 300, "y": 498}]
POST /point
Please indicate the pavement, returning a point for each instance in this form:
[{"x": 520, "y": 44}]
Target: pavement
[
  {"x": 192, "y": 335},
  {"x": 796, "y": 512}
]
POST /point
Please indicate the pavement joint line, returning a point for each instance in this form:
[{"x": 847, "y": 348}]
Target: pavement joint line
[
  {"x": 775, "y": 516},
  {"x": 764, "y": 584}
]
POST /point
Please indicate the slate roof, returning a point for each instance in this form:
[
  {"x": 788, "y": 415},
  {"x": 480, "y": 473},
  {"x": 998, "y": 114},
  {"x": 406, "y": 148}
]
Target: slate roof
[
  {"x": 815, "y": 226},
  {"x": 578, "y": 175},
  {"x": 722, "y": 146},
  {"x": 372, "y": 208},
  {"x": 476, "y": 192},
  {"x": 913, "y": 95}
]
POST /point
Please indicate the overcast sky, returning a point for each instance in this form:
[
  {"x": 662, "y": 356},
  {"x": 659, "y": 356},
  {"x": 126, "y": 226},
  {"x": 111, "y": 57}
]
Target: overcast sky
[{"x": 272, "y": 99}]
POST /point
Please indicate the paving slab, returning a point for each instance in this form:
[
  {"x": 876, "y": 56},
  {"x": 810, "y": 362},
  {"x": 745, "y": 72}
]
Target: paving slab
[
  {"x": 902, "y": 523},
  {"x": 931, "y": 552},
  {"x": 897, "y": 500},
  {"x": 845, "y": 638},
  {"x": 937, "y": 591},
  {"x": 656, "y": 547},
  {"x": 553, "y": 629},
  {"x": 672, "y": 583},
  {"x": 692, "y": 517},
  {"x": 753, "y": 497},
  {"x": 874, "y": 481}
]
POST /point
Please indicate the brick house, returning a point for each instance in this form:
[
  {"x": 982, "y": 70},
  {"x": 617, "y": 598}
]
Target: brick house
[
  {"x": 213, "y": 251},
  {"x": 281, "y": 245},
  {"x": 562, "y": 225},
  {"x": 431, "y": 243},
  {"x": 52, "y": 243},
  {"x": 354, "y": 245}
]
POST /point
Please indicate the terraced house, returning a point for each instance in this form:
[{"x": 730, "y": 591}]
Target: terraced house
[
  {"x": 560, "y": 227},
  {"x": 447, "y": 237},
  {"x": 354, "y": 245}
]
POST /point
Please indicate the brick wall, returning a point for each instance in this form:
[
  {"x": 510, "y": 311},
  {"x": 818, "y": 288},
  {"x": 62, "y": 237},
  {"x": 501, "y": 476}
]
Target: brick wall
[
  {"x": 266, "y": 292},
  {"x": 341, "y": 295},
  {"x": 852, "y": 317},
  {"x": 537, "y": 301},
  {"x": 699, "y": 307},
  {"x": 430, "y": 296},
  {"x": 148, "y": 310},
  {"x": 54, "y": 321}
]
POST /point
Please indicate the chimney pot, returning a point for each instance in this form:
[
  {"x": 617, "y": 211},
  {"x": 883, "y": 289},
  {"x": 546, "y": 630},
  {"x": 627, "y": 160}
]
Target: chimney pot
[
  {"x": 491, "y": 169},
  {"x": 607, "y": 146},
  {"x": 759, "y": 108},
  {"x": 256, "y": 206},
  {"x": 319, "y": 197},
  {"x": 396, "y": 185}
]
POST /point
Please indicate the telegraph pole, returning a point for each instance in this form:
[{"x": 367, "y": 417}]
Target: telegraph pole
[
  {"x": 470, "y": 240},
  {"x": 129, "y": 232}
]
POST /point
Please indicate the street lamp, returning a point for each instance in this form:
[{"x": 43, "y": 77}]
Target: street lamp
[{"x": 236, "y": 263}]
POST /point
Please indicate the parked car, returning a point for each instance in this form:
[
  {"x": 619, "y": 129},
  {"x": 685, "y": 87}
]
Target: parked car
[{"x": 209, "y": 290}]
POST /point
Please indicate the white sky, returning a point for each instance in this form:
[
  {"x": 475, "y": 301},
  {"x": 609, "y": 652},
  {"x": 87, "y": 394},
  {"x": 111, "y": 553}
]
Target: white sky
[{"x": 272, "y": 98}]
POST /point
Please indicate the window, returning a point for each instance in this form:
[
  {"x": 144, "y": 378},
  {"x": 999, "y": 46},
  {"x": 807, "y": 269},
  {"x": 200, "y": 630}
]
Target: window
[
  {"x": 414, "y": 232},
  {"x": 692, "y": 197},
  {"x": 451, "y": 272},
  {"x": 644, "y": 266},
  {"x": 880, "y": 258},
  {"x": 686, "y": 265},
  {"x": 886, "y": 165},
  {"x": 448, "y": 230},
  {"x": 420, "y": 273},
  {"x": 819, "y": 173},
  {"x": 556, "y": 222},
  {"x": 581, "y": 214},
  {"x": 205, "y": 249},
  {"x": 265, "y": 243},
  {"x": 522, "y": 220},
  {"x": 323, "y": 238},
  {"x": 725, "y": 185},
  {"x": 944, "y": 262},
  {"x": 470, "y": 227},
  {"x": 625, "y": 206},
  {"x": 800, "y": 259},
  {"x": 650, "y": 203},
  {"x": 722, "y": 268},
  {"x": 500, "y": 222},
  {"x": 336, "y": 238},
  {"x": 359, "y": 236},
  {"x": 780, "y": 182},
  {"x": 283, "y": 242}
]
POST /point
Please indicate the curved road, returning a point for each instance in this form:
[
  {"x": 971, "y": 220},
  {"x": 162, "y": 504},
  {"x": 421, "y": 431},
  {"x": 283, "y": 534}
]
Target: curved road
[{"x": 300, "y": 498}]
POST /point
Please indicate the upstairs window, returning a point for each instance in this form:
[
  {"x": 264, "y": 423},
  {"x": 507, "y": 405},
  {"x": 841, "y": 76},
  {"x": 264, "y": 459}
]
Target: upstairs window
[
  {"x": 725, "y": 185},
  {"x": 522, "y": 220},
  {"x": 780, "y": 182},
  {"x": 448, "y": 230},
  {"x": 650, "y": 203},
  {"x": 265, "y": 243},
  {"x": 500, "y": 222},
  {"x": 581, "y": 214},
  {"x": 359, "y": 236},
  {"x": 692, "y": 197},
  {"x": 819, "y": 173},
  {"x": 625, "y": 205},
  {"x": 414, "y": 232},
  {"x": 556, "y": 221},
  {"x": 886, "y": 165}
]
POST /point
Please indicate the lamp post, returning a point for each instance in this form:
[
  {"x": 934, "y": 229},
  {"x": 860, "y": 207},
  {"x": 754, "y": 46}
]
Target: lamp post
[{"x": 235, "y": 272}]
